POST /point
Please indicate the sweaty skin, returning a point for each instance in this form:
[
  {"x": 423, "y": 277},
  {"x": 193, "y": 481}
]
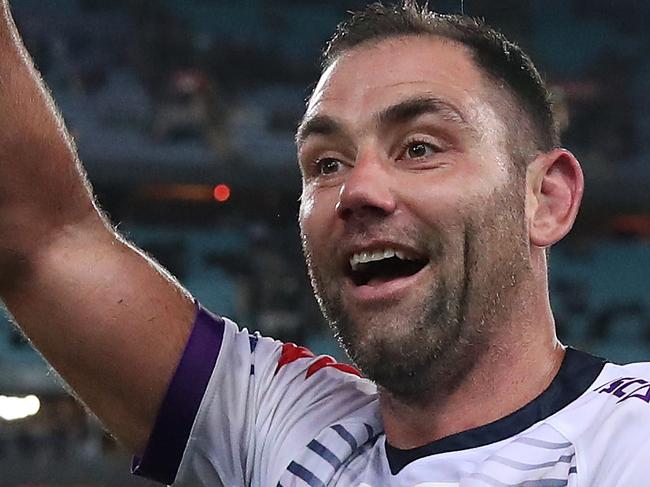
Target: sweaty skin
[{"x": 440, "y": 185}]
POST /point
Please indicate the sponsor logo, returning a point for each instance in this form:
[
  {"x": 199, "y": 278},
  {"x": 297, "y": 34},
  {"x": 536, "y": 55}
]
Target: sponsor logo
[{"x": 625, "y": 388}]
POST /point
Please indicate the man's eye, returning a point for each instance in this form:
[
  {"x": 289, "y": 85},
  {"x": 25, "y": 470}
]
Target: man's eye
[
  {"x": 328, "y": 165},
  {"x": 416, "y": 150}
]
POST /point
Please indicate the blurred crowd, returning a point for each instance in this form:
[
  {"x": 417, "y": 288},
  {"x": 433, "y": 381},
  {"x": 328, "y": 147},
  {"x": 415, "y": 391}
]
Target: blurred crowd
[{"x": 187, "y": 70}]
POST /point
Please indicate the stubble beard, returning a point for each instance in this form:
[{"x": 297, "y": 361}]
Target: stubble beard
[
  {"x": 423, "y": 353},
  {"x": 405, "y": 351}
]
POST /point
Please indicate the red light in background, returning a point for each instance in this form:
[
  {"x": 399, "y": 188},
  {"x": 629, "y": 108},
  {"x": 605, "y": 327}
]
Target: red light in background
[{"x": 221, "y": 193}]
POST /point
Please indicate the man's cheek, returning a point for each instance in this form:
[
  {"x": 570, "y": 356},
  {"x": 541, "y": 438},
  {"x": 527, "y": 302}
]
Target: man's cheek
[{"x": 307, "y": 203}]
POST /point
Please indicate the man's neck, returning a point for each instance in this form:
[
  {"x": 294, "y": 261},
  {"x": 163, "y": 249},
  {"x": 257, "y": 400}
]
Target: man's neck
[{"x": 504, "y": 379}]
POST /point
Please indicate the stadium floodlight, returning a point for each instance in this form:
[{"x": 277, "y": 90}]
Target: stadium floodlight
[{"x": 13, "y": 408}]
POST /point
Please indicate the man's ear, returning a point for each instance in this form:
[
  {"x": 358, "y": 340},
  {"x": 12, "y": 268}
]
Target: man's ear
[{"x": 555, "y": 185}]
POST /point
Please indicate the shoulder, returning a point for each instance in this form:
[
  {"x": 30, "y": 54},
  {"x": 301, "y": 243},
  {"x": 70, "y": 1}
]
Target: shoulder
[
  {"x": 300, "y": 381},
  {"x": 271, "y": 373},
  {"x": 609, "y": 425},
  {"x": 239, "y": 399},
  {"x": 620, "y": 384},
  {"x": 618, "y": 393},
  {"x": 618, "y": 403}
]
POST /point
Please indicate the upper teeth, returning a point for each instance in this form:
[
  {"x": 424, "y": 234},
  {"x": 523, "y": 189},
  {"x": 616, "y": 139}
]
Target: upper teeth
[{"x": 364, "y": 257}]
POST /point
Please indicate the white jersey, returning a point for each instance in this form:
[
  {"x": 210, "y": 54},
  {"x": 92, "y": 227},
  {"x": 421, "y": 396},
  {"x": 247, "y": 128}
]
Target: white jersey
[{"x": 243, "y": 410}]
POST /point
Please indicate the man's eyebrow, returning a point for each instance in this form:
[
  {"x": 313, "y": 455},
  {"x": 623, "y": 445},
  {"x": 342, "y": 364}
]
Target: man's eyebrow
[
  {"x": 317, "y": 125},
  {"x": 412, "y": 108},
  {"x": 401, "y": 112}
]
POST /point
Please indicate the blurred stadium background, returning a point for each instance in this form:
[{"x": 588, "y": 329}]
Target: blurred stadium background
[{"x": 184, "y": 111}]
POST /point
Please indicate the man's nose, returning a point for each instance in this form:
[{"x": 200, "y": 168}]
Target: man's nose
[{"x": 367, "y": 189}]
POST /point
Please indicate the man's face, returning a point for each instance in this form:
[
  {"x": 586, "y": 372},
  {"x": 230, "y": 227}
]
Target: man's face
[{"x": 411, "y": 216}]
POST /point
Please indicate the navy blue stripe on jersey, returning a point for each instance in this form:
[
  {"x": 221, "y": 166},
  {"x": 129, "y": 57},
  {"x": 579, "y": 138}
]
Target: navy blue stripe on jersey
[
  {"x": 306, "y": 475},
  {"x": 170, "y": 433},
  {"x": 346, "y": 435},
  {"x": 371, "y": 432},
  {"x": 252, "y": 341},
  {"x": 578, "y": 372},
  {"x": 324, "y": 453},
  {"x": 573, "y": 469},
  {"x": 329, "y": 455}
]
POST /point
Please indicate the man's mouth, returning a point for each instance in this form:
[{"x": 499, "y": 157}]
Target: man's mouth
[{"x": 370, "y": 268}]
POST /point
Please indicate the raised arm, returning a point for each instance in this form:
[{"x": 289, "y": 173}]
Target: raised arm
[{"x": 109, "y": 320}]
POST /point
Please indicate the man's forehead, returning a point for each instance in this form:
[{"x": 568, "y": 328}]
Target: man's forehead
[{"x": 366, "y": 77}]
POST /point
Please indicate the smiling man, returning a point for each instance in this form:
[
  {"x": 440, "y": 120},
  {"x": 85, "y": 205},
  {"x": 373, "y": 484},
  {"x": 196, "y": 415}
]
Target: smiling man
[
  {"x": 414, "y": 161},
  {"x": 433, "y": 185}
]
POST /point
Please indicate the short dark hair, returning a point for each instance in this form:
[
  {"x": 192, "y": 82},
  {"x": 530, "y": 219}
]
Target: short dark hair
[{"x": 500, "y": 59}]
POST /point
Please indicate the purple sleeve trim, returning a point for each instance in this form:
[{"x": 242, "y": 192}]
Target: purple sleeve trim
[{"x": 171, "y": 431}]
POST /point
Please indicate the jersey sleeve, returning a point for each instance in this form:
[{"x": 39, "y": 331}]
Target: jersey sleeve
[{"x": 239, "y": 405}]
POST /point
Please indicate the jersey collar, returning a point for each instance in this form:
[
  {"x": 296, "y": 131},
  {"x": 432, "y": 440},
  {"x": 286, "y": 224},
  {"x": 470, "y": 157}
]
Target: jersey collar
[{"x": 578, "y": 371}]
